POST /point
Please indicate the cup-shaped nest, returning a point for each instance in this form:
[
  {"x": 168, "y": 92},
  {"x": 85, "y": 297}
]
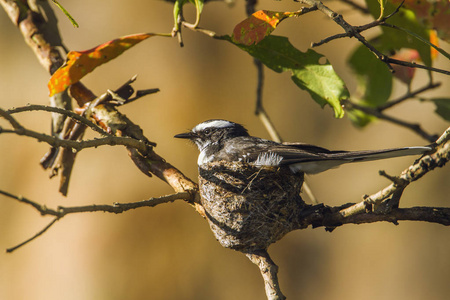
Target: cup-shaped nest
[{"x": 249, "y": 208}]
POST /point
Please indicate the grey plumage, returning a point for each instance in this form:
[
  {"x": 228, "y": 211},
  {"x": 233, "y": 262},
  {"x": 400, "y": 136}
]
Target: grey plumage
[{"x": 224, "y": 140}]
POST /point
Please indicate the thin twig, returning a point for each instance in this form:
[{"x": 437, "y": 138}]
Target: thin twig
[
  {"x": 44, "y": 210},
  {"x": 116, "y": 208},
  {"x": 69, "y": 113},
  {"x": 374, "y": 112},
  {"x": 390, "y": 60},
  {"x": 408, "y": 95},
  {"x": 9, "y": 250},
  {"x": 358, "y": 29},
  {"x": 354, "y": 31},
  {"x": 350, "y": 30},
  {"x": 80, "y": 145},
  {"x": 10, "y": 119}
]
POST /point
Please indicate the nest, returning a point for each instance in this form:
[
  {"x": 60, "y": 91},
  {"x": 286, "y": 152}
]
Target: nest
[{"x": 249, "y": 208}]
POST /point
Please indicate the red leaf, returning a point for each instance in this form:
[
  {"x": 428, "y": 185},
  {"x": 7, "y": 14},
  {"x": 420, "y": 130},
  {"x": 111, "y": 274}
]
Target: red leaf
[
  {"x": 80, "y": 63},
  {"x": 433, "y": 14},
  {"x": 403, "y": 73},
  {"x": 259, "y": 25}
]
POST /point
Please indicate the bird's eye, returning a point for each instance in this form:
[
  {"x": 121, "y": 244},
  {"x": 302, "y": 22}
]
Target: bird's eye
[{"x": 207, "y": 131}]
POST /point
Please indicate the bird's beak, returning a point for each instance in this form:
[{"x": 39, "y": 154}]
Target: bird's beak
[{"x": 187, "y": 135}]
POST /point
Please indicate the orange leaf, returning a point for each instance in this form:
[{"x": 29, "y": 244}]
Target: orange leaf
[
  {"x": 259, "y": 25},
  {"x": 80, "y": 63}
]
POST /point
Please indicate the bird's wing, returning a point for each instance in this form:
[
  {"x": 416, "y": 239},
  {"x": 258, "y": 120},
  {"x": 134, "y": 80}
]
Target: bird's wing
[
  {"x": 265, "y": 152},
  {"x": 304, "y": 157}
]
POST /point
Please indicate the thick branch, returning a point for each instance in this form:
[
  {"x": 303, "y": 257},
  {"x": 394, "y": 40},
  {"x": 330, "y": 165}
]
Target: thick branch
[
  {"x": 269, "y": 272},
  {"x": 119, "y": 125},
  {"x": 41, "y": 35},
  {"x": 421, "y": 167},
  {"x": 332, "y": 217}
]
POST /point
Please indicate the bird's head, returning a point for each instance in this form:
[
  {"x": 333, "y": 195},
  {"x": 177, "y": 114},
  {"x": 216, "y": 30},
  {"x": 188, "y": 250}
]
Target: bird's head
[{"x": 213, "y": 132}]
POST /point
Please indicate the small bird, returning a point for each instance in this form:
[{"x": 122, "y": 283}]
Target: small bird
[{"x": 221, "y": 140}]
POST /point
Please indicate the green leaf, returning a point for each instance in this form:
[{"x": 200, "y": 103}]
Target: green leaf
[
  {"x": 374, "y": 83},
  {"x": 393, "y": 39},
  {"x": 442, "y": 107},
  {"x": 318, "y": 79},
  {"x": 374, "y": 78},
  {"x": 359, "y": 118}
]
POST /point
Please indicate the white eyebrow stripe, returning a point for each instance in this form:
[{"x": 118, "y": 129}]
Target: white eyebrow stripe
[{"x": 212, "y": 124}]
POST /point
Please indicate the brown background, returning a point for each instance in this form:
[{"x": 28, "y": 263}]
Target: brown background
[{"x": 168, "y": 252}]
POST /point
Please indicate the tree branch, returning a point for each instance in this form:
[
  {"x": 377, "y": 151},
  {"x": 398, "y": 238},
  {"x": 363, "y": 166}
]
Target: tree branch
[
  {"x": 73, "y": 144},
  {"x": 408, "y": 95},
  {"x": 269, "y": 272},
  {"x": 116, "y": 208},
  {"x": 355, "y": 31},
  {"x": 421, "y": 167},
  {"x": 108, "y": 116},
  {"x": 348, "y": 105},
  {"x": 12, "y": 249},
  {"x": 68, "y": 113},
  {"x": 331, "y": 217}
]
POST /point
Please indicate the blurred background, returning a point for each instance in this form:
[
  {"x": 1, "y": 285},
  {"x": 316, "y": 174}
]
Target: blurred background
[{"x": 168, "y": 252}]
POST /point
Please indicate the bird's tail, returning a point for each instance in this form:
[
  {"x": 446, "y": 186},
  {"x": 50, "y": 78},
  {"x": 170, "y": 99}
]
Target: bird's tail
[
  {"x": 334, "y": 159},
  {"x": 368, "y": 155}
]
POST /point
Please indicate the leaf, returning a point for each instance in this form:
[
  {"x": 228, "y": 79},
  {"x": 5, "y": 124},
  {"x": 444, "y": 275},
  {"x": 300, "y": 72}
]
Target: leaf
[
  {"x": 259, "y": 25},
  {"x": 80, "y": 63},
  {"x": 393, "y": 39},
  {"x": 359, "y": 118},
  {"x": 374, "y": 83},
  {"x": 403, "y": 73},
  {"x": 318, "y": 79},
  {"x": 432, "y": 14},
  {"x": 442, "y": 107},
  {"x": 374, "y": 78}
]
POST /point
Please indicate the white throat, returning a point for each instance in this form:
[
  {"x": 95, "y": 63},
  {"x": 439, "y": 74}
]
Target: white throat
[{"x": 203, "y": 158}]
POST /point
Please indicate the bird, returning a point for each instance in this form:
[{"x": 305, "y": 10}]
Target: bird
[{"x": 222, "y": 140}]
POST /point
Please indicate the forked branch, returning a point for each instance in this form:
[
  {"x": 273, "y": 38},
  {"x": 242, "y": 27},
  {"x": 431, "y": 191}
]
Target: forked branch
[{"x": 116, "y": 208}]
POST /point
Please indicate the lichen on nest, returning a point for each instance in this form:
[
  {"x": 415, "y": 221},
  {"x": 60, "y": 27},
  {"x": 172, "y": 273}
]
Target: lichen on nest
[{"x": 249, "y": 208}]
